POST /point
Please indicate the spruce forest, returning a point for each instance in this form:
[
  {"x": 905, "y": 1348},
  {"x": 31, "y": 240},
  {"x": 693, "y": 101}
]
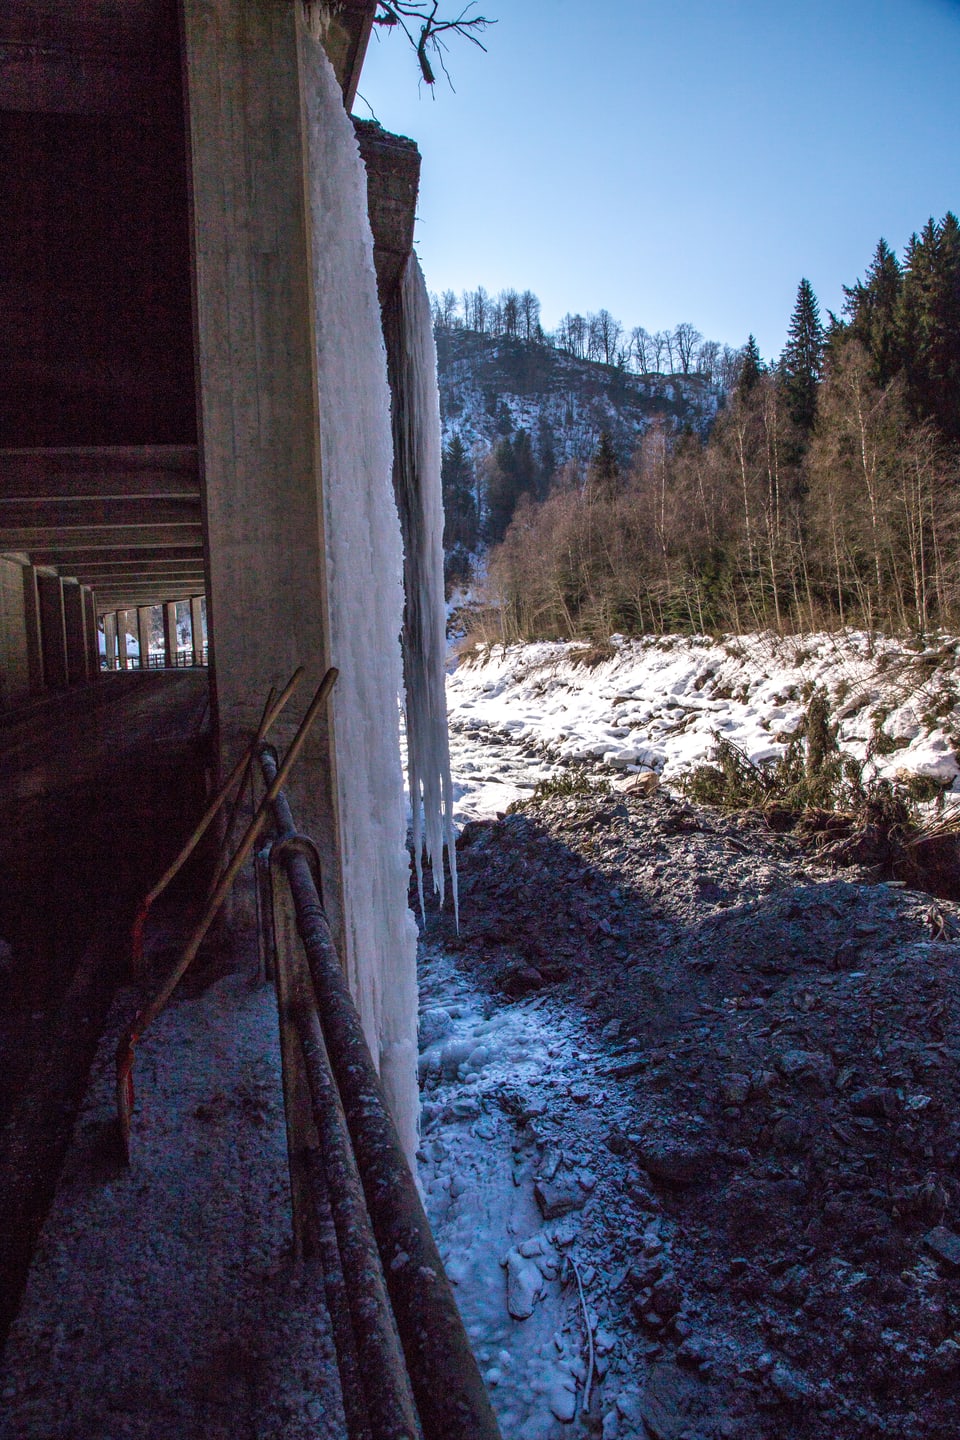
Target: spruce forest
[{"x": 826, "y": 492}]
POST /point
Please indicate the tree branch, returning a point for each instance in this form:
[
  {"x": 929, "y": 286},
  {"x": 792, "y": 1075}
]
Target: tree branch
[{"x": 425, "y": 30}]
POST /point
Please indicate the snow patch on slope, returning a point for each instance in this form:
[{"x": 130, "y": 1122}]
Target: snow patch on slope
[{"x": 657, "y": 703}]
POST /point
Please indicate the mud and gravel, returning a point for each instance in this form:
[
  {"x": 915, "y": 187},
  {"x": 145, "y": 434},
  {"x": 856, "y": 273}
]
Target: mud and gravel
[{"x": 780, "y": 1048}]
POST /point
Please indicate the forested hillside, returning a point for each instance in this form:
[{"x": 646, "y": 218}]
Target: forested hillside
[
  {"x": 524, "y": 411},
  {"x": 826, "y": 492}
]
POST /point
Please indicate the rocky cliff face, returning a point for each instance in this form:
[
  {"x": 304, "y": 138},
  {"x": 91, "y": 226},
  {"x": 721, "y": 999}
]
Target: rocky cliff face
[{"x": 492, "y": 387}]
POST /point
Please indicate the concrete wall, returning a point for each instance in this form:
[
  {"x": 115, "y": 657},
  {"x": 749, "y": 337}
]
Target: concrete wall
[
  {"x": 260, "y": 443},
  {"x": 14, "y": 661}
]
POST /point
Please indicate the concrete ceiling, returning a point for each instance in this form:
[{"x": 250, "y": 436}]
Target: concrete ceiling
[{"x": 124, "y": 519}]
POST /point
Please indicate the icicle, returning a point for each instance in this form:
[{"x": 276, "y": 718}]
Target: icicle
[
  {"x": 417, "y": 476},
  {"x": 364, "y": 571}
]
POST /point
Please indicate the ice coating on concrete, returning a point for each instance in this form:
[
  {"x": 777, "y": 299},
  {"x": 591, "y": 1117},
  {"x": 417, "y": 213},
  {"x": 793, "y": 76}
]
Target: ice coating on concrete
[
  {"x": 425, "y": 647},
  {"x": 364, "y": 572}
]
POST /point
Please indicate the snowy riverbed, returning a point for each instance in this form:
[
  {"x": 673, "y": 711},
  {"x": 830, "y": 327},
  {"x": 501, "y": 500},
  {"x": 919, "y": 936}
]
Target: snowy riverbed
[
  {"x": 515, "y": 1095},
  {"x": 656, "y": 704},
  {"x": 527, "y": 1203}
]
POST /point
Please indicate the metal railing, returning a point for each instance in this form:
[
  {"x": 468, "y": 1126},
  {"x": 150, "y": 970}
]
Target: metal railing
[
  {"x": 406, "y": 1366},
  {"x": 157, "y": 660}
]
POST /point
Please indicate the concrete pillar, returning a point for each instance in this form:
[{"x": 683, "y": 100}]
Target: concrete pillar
[
  {"x": 53, "y": 633},
  {"x": 31, "y": 621},
  {"x": 267, "y": 604},
  {"x": 170, "y": 633},
  {"x": 75, "y": 623},
  {"x": 144, "y": 618},
  {"x": 110, "y": 640},
  {"x": 14, "y": 663},
  {"x": 123, "y": 659},
  {"x": 196, "y": 629},
  {"x": 93, "y": 633}
]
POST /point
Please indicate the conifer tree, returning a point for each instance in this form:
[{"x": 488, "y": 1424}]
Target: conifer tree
[
  {"x": 459, "y": 501},
  {"x": 511, "y": 472},
  {"x": 930, "y": 323},
  {"x": 751, "y": 368},
  {"x": 547, "y": 456},
  {"x": 802, "y": 360},
  {"x": 872, "y": 306},
  {"x": 604, "y": 471}
]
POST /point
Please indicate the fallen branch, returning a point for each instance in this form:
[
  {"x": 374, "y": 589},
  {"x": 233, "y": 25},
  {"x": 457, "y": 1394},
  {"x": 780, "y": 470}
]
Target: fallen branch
[{"x": 588, "y": 1383}]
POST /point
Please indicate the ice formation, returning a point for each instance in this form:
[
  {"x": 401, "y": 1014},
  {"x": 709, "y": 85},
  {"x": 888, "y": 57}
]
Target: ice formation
[
  {"x": 365, "y": 566},
  {"x": 417, "y": 476}
]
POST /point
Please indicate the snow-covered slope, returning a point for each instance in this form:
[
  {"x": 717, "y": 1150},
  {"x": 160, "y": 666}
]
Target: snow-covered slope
[
  {"x": 657, "y": 703},
  {"x": 491, "y": 387}
]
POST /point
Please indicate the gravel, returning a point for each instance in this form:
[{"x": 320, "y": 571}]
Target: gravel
[{"x": 768, "y": 1092}]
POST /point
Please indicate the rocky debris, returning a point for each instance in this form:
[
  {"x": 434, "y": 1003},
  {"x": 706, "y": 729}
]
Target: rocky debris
[
  {"x": 670, "y": 1400},
  {"x": 808, "y": 1069},
  {"x": 529, "y": 1267},
  {"x": 775, "y": 1100},
  {"x": 558, "y": 1197},
  {"x": 675, "y": 1157},
  {"x": 945, "y": 1246}
]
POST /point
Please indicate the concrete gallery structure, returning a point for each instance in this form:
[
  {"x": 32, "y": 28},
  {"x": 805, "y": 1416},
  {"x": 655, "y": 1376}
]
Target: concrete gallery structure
[{"x": 163, "y": 456}]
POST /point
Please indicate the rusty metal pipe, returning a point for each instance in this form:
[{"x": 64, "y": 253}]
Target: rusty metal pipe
[
  {"x": 271, "y": 713},
  {"x": 451, "y": 1399},
  {"x": 125, "y": 1049},
  {"x": 386, "y": 1384},
  {"x": 314, "y": 1231},
  {"x": 336, "y": 1291}
]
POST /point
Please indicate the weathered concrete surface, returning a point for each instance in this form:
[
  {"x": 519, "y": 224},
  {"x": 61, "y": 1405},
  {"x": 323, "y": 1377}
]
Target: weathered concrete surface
[
  {"x": 264, "y": 521},
  {"x": 14, "y": 659}
]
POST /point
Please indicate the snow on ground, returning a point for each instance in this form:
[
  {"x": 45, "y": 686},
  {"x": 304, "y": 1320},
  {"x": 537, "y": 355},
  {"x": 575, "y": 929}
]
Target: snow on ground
[
  {"x": 527, "y": 1203},
  {"x": 657, "y": 704},
  {"x": 524, "y": 1191}
]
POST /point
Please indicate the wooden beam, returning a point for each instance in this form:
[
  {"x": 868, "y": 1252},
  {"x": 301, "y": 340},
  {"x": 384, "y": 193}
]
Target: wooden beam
[
  {"x": 116, "y": 553},
  {"x": 34, "y": 538},
  {"x": 121, "y": 574},
  {"x": 163, "y": 589},
  {"x": 70, "y": 514},
  {"x": 124, "y": 600},
  {"x": 110, "y": 473},
  {"x": 130, "y": 564}
]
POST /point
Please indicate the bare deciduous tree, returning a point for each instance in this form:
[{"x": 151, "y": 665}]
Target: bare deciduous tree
[
  {"x": 641, "y": 349},
  {"x": 686, "y": 339},
  {"x": 529, "y": 315}
]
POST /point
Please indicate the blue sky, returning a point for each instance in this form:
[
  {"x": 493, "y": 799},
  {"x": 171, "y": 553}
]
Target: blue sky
[{"x": 680, "y": 159}]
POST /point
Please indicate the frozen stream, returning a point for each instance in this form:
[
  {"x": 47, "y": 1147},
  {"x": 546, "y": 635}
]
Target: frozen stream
[
  {"x": 531, "y": 1210},
  {"x": 490, "y": 772},
  {"x": 529, "y": 1206}
]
